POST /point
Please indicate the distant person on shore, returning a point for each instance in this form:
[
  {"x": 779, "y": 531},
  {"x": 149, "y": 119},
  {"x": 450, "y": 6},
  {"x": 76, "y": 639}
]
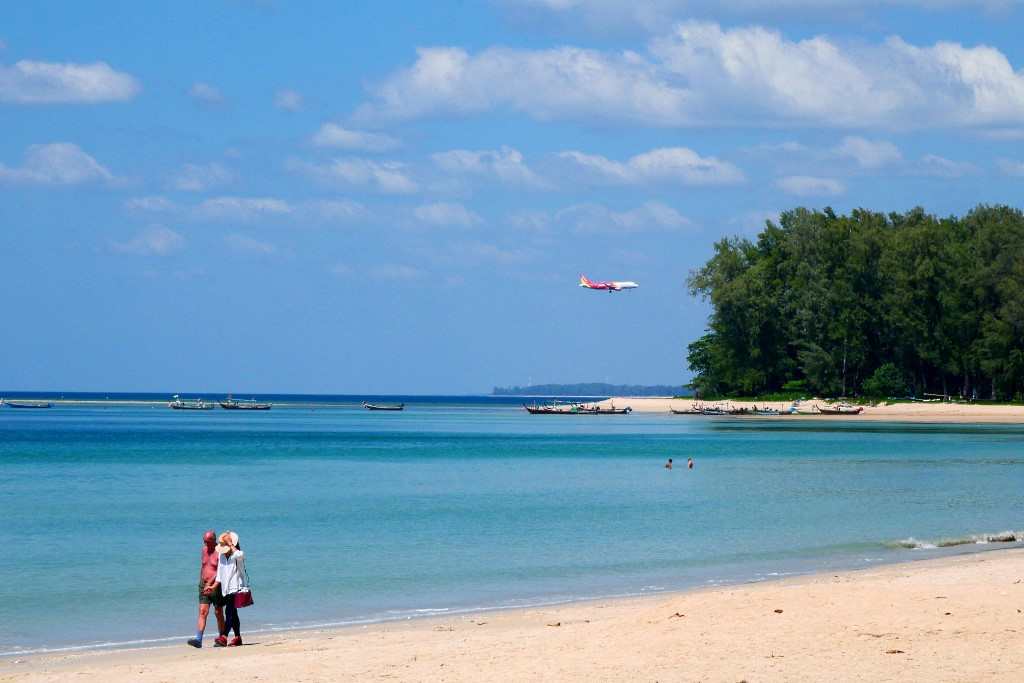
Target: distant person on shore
[
  {"x": 208, "y": 595},
  {"x": 668, "y": 465},
  {"x": 230, "y": 570},
  {"x": 689, "y": 463}
]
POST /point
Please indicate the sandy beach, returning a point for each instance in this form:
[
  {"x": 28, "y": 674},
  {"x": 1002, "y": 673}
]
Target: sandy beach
[
  {"x": 950, "y": 619},
  {"x": 893, "y": 412}
]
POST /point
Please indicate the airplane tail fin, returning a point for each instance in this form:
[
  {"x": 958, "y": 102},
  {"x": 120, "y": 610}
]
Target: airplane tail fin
[{"x": 584, "y": 282}]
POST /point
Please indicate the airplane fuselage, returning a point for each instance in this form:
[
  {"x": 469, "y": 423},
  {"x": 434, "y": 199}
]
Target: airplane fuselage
[{"x": 608, "y": 285}]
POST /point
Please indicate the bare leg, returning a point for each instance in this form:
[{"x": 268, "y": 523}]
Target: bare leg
[{"x": 204, "y": 611}]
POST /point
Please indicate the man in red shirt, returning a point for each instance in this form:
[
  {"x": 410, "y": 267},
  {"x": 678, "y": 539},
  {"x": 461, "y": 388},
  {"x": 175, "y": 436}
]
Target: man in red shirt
[{"x": 208, "y": 594}]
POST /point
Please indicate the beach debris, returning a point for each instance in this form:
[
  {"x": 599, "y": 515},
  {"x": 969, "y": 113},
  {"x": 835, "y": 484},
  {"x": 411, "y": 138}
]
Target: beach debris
[
  {"x": 778, "y": 611},
  {"x": 444, "y": 628},
  {"x": 555, "y": 623},
  {"x": 677, "y": 615},
  {"x": 948, "y": 613},
  {"x": 895, "y": 652},
  {"x": 940, "y": 597}
]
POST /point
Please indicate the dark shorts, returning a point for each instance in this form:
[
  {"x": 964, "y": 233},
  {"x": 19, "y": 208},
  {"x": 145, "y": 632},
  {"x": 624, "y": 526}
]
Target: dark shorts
[{"x": 216, "y": 598}]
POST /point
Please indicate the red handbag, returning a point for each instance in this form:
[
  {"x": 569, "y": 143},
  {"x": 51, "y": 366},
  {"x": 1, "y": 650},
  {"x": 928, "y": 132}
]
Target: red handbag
[{"x": 243, "y": 598}]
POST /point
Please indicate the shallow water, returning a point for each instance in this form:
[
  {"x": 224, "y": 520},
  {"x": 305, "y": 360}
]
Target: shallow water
[{"x": 347, "y": 515}]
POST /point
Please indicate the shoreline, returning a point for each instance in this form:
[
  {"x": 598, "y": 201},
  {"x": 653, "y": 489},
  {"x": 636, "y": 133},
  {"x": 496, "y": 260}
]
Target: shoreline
[
  {"x": 924, "y": 413},
  {"x": 808, "y": 627}
]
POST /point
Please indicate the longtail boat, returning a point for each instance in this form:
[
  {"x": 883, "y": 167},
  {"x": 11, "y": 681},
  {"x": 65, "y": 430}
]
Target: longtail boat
[
  {"x": 377, "y": 406},
  {"x": 26, "y": 404},
  {"x": 251, "y": 404},
  {"x": 178, "y": 403}
]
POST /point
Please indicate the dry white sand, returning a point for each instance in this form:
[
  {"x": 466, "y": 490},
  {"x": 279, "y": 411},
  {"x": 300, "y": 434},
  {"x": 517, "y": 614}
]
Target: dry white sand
[
  {"x": 953, "y": 619},
  {"x": 895, "y": 412}
]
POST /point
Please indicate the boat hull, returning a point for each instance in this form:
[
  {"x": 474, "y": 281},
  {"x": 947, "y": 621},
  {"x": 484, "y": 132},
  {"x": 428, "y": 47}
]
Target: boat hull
[{"x": 393, "y": 409}]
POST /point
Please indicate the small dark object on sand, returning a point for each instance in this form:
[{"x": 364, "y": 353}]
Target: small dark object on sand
[
  {"x": 778, "y": 611},
  {"x": 677, "y": 614},
  {"x": 555, "y": 623},
  {"x": 895, "y": 652}
]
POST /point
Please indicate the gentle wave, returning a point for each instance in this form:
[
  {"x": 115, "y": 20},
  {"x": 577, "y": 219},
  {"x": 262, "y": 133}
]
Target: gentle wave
[{"x": 951, "y": 542}]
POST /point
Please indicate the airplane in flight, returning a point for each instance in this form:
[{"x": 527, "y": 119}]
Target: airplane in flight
[{"x": 611, "y": 285}]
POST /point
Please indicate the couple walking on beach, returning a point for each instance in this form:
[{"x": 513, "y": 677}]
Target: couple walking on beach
[{"x": 223, "y": 583}]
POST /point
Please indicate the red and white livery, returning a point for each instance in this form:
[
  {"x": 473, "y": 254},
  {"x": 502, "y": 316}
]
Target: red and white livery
[{"x": 610, "y": 285}]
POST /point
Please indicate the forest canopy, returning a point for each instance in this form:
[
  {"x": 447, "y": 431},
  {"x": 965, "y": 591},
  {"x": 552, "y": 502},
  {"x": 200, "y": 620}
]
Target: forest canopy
[{"x": 866, "y": 304}]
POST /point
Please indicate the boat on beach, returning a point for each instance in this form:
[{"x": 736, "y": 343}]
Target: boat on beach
[
  {"x": 231, "y": 404},
  {"x": 687, "y": 411},
  {"x": 26, "y": 404},
  {"x": 378, "y": 406},
  {"x": 565, "y": 408},
  {"x": 840, "y": 409},
  {"x": 179, "y": 403}
]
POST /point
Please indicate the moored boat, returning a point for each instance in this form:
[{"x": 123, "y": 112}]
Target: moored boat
[
  {"x": 562, "y": 408},
  {"x": 178, "y": 403},
  {"x": 232, "y": 404},
  {"x": 378, "y": 406},
  {"x": 26, "y": 404}
]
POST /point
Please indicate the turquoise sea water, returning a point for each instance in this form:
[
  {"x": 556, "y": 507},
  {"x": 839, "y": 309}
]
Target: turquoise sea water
[{"x": 350, "y": 516}]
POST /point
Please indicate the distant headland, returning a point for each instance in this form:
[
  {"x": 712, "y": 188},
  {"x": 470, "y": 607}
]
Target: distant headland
[{"x": 593, "y": 389}]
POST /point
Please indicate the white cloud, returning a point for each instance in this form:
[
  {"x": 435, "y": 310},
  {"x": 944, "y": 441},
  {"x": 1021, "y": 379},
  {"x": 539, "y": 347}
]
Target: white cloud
[
  {"x": 333, "y": 135},
  {"x": 27, "y": 82},
  {"x": 396, "y": 271},
  {"x": 153, "y": 203},
  {"x": 653, "y": 15},
  {"x": 206, "y": 94},
  {"x": 545, "y": 84},
  {"x": 668, "y": 164},
  {"x": 245, "y": 244},
  {"x": 242, "y": 208},
  {"x": 786, "y": 147},
  {"x": 1003, "y": 134},
  {"x": 475, "y": 253},
  {"x": 335, "y": 210},
  {"x": 57, "y": 163},
  {"x": 597, "y": 218},
  {"x": 289, "y": 100},
  {"x": 505, "y": 164},
  {"x": 809, "y": 186},
  {"x": 1011, "y": 167},
  {"x": 445, "y": 214},
  {"x": 388, "y": 177},
  {"x": 868, "y": 153},
  {"x": 201, "y": 177},
  {"x": 156, "y": 240},
  {"x": 934, "y": 165},
  {"x": 703, "y": 74},
  {"x": 534, "y": 221}
]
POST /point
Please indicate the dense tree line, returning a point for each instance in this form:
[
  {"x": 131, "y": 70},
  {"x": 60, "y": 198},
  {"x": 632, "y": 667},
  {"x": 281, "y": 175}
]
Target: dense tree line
[
  {"x": 867, "y": 303},
  {"x": 591, "y": 389}
]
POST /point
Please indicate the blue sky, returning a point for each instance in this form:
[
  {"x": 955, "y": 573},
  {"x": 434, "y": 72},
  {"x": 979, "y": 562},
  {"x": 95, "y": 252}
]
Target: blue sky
[{"x": 400, "y": 196}]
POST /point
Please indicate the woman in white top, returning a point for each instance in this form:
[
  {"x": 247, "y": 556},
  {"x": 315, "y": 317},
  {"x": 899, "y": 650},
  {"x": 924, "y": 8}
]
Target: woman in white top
[{"x": 230, "y": 572}]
